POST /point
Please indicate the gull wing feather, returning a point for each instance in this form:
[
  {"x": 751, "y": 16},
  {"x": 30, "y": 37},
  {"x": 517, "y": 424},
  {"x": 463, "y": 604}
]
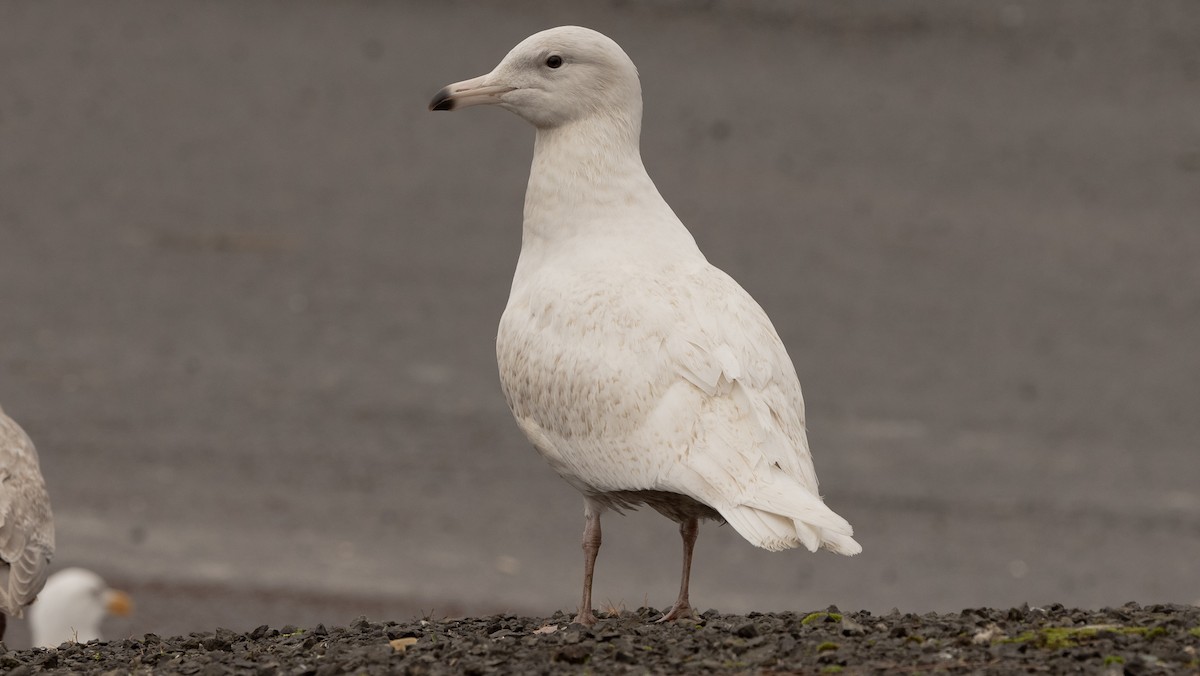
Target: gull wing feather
[
  {"x": 750, "y": 459},
  {"x": 26, "y": 523}
]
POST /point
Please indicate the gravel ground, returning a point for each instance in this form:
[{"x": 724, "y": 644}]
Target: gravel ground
[{"x": 1131, "y": 639}]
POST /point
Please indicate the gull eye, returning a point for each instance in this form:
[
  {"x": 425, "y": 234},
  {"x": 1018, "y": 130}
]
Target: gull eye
[{"x": 554, "y": 61}]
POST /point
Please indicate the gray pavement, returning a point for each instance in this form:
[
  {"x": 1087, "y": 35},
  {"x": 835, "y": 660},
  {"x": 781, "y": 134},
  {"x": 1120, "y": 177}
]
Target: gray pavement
[{"x": 249, "y": 289}]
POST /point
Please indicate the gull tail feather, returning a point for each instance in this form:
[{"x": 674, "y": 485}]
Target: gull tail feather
[
  {"x": 783, "y": 515},
  {"x": 841, "y": 544},
  {"x": 763, "y": 529}
]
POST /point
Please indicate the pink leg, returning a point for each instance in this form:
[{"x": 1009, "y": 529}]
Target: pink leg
[
  {"x": 591, "y": 547},
  {"x": 689, "y": 530}
]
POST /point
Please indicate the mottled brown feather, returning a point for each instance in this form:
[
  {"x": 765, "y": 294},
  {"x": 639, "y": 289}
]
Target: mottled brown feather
[{"x": 26, "y": 522}]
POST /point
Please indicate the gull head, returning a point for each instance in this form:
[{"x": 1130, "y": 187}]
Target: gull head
[
  {"x": 553, "y": 78},
  {"x": 71, "y": 606}
]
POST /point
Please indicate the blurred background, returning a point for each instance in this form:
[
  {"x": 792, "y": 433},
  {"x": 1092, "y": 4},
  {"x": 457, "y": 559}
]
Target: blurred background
[{"x": 249, "y": 289}]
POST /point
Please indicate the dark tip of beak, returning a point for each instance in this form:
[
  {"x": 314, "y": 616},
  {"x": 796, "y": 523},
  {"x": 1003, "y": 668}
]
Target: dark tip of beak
[{"x": 442, "y": 100}]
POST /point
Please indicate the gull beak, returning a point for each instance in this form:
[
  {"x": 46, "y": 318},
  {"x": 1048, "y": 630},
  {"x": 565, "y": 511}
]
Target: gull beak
[
  {"x": 118, "y": 603},
  {"x": 474, "y": 92}
]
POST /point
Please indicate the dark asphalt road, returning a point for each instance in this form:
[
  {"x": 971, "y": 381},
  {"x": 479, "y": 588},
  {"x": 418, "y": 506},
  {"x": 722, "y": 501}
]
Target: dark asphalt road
[{"x": 249, "y": 289}]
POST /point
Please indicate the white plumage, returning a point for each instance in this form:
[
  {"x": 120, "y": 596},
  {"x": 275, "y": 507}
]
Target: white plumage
[
  {"x": 71, "y": 607},
  {"x": 642, "y": 373},
  {"x": 26, "y": 523}
]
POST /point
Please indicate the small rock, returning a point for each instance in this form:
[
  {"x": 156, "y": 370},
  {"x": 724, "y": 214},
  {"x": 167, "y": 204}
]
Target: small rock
[
  {"x": 987, "y": 635},
  {"x": 216, "y": 643},
  {"x": 786, "y": 645},
  {"x": 401, "y": 644},
  {"x": 746, "y": 629},
  {"x": 852, "y": 628},
  {"x": 573, "y": 654}
]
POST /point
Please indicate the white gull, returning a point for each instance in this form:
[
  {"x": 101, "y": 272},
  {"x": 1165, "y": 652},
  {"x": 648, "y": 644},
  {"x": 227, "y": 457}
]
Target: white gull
[
  {"x": 71, "y": 607},
  {"x": 642, "y": 373}
]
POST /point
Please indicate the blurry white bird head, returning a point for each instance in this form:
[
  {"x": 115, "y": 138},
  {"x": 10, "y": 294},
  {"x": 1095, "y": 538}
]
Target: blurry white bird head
[
  {"x": 553, "y": 78},
  {"x": 71, "y": 607}
]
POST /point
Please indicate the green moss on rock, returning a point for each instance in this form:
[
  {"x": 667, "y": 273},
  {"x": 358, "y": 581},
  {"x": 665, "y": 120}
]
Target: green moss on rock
[{"x": 821, "y": 616}]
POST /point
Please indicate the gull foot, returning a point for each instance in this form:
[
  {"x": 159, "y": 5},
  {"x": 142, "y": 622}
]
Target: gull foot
[
  {"x": 585, "y": 617},
  {"x": 677, "y": 612}
]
